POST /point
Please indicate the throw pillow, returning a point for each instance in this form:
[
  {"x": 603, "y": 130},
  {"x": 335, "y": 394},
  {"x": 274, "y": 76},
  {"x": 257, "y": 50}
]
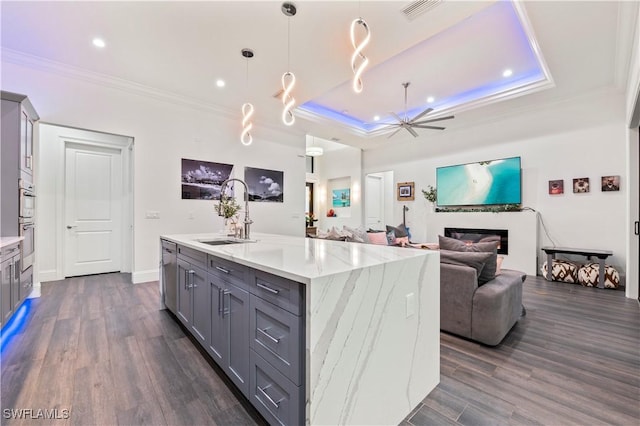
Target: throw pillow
[
  {"x": 377, "y": 238},
  {"x": 399, "y": 231},
  {"x": 476, "y": 260},
  {"x": 358, "y": 235},
  {"x": 499, "y": 265},
  {"x": 489, "y": 271},
  {"x": 391, "y": 238},
  {"x": 402, "y": 241}
]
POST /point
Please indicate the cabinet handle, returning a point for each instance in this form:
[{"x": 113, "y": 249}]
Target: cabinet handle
[
  {"x": 269, "y": 289},
  {"x": 220, "y": 301},
  {"x": 192, "y": 281},
  {"x": 273, "y": 339},
  {"x": 186, "y": 280},
  {"x": 275, "y": 403},
  {"x": 637, "y": 227},
  {"x": 30, "y": 162},
  {"x": 225, "y": 311},
  {"x": 221, "y": 269}
]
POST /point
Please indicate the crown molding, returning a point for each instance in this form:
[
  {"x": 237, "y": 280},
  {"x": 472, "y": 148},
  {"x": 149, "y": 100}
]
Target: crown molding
[
  {"x": 76, "y": 73},
  {"x": 627, "y": 32}
]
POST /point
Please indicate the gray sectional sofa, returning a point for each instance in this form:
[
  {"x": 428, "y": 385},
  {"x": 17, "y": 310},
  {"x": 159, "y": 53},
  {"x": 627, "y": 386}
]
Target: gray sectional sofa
[{"x": 484, "y": 313}]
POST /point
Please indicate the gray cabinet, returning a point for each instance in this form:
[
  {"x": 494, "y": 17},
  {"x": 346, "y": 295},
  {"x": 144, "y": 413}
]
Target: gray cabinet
[
  {"x": 277, "y": 339},
  {"x": 252, "y": 324},
  {"x": 229, "y": 338},
  {"x": 10, "y": 295},
  {"x": 192, "y": 278},
  {"x": 16, "y": 124},
  {"x": 169, "y": 275}
]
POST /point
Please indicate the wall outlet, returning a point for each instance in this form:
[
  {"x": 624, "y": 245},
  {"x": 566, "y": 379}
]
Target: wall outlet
[
  {"x": 151, "y": 214},
  {"x": 411, "y": 305}
]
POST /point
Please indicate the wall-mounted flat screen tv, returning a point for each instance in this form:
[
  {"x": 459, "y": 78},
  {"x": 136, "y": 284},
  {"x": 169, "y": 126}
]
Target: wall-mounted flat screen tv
[{"x": 480, "y": 184}]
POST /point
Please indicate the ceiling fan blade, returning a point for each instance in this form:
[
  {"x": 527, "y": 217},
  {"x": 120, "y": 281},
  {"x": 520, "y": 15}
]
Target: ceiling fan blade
[
  {"x": 422, "y": 114},
  {"x": 396, "y": 116},
  {"x": 432, "y": 120},
  {"x": 413, "y": 132},
  {"x": 421, "y": 126},
  {"x": 399, "y": 128}
]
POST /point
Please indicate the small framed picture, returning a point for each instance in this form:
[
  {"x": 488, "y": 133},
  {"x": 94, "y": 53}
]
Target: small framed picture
[
  {"x": 556, "y": 187},
  {"x": 581, "y": 185},
  {"x": 406, "y": 191},
  {"x": 610, "y": 183}
]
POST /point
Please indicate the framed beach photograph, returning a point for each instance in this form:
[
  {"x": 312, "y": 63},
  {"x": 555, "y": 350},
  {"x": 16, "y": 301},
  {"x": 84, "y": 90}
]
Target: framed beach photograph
[
  {"x": 406, "y": 191},
  {"x": 341, "y": 197},
  {"x": 610, "y": 183},
  {"x": 201, "y": 180},
  {"x": 265, "y": 185},
  {"x": 556, "y": 187}
]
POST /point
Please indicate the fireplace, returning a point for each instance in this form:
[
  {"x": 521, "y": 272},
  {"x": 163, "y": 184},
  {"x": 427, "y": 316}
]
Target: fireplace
[{"x": 473, "y": 235}]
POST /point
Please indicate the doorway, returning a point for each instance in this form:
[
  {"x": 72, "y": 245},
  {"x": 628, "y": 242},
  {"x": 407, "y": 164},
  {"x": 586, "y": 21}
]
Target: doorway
[
  {"x": 378, "y": 200},
  {"x": 93, "y": 210},
  {"x": 85, "y": 203}
]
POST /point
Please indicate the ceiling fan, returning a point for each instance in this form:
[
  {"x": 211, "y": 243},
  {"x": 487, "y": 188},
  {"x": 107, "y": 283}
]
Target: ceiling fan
[{"x": 415, "y": 122}]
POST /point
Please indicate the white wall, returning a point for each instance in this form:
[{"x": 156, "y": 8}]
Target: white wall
[
  {"x": 164, "y": 133},
  {"x": 582, "y": 138},
  {"x": 633, "y": 163},
  {"x": 335, "y": 169}
]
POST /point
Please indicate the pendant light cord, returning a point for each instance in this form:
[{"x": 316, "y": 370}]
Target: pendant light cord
[{"x": 289, "y": 44}]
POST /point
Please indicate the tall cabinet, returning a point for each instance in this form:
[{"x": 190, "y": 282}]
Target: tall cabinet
[{"x": 17, "y": 210}]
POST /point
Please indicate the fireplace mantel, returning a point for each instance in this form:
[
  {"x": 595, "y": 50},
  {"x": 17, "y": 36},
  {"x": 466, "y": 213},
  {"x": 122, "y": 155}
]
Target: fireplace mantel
[{"x": 522, "y": 227}]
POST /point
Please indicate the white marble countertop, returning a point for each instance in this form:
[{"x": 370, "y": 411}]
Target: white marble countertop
[
  {"x": 299, "y": 258},
  {"x": 7, "y": 241}
]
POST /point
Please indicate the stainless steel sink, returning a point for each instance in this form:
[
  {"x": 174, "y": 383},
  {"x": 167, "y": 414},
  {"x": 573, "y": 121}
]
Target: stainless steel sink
[
  {"x": 225, "y": 241},
  {"x": 221, "y": 242}
]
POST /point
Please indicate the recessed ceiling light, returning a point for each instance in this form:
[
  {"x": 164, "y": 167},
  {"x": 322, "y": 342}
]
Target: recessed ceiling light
[
  {"x": 220, "y": 83},
  {"x": 507, "y": 73},
  {"x": 98, "y": 42},
  {"x": 376, "y": 117},
  {"x": 430, "y": 99}
]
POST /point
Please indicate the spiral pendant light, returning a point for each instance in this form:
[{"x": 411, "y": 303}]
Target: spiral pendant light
[
  {"x": 288, "y": 78},
  {"x": 358, "y": 60},
  {"x": 247, "y": 108}
]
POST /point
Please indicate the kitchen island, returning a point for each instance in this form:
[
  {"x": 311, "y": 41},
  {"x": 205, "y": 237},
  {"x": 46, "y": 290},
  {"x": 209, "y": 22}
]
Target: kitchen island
[{"x": 364, "y": 319}]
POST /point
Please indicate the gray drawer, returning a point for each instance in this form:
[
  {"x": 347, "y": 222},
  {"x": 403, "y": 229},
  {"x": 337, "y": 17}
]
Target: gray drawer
[
  {"x": 275, "y": 397},
  {"x": 192, "y": 256},
  {"x": 230, "y": 271},
  {"x": 169, "y": 245},
  {"x": 280, "y": 291},
  {"x": 277, "y": 336},
  {"x": 9, "y": 251}
]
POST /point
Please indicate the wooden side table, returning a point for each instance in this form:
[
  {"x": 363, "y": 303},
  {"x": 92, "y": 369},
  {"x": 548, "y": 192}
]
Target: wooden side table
[{"x": 600, "y": 254}]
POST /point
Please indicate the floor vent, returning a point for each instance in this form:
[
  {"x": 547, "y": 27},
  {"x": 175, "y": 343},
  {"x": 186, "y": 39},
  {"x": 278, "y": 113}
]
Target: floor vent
[{"x": 417, "y": 8}]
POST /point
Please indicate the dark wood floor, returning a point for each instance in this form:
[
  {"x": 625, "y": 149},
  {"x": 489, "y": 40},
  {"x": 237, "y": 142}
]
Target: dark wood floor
[{"x": 102, "y": 348}]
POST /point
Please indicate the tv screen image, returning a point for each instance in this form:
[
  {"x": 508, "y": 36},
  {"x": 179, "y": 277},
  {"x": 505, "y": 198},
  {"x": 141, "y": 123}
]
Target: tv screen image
[{"x": 480, "y": 184}]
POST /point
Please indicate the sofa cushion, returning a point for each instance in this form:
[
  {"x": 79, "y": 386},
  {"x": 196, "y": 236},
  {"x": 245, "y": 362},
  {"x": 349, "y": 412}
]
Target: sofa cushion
[
  {"x": 377, "y": 238},
  {"x": 489, "y": 271},
  {"x": 476, "y": 260}
]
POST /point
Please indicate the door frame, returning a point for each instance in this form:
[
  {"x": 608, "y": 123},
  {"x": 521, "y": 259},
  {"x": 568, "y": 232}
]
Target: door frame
[{"x": 125, "y": 144}]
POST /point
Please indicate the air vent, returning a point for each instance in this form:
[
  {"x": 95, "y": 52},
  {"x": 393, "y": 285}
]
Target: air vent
[{"x": 417, "y": 8}]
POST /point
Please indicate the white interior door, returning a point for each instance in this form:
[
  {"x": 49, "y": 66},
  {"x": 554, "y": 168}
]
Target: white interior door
[
  {"x": 374, "y": 201},
  {"x": 93, "y": 210}
]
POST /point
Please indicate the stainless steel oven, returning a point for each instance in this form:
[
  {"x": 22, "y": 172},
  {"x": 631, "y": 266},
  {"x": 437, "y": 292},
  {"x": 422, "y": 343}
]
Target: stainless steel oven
[
  {"x": 27, "y": 229},
  {"x": 27, "y": 202}
]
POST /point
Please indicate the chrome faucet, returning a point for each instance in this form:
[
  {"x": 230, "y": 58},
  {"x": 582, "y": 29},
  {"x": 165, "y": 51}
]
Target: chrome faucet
[{"x": 247, "y": 220}]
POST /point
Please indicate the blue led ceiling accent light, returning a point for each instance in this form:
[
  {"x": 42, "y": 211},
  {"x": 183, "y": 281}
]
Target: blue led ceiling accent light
[{"x": 534, "y": 76}]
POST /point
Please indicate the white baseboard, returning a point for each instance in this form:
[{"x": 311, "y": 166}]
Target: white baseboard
[
  {"x": 145, "y": 276},
  {"x": 50, "y": 275}
]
